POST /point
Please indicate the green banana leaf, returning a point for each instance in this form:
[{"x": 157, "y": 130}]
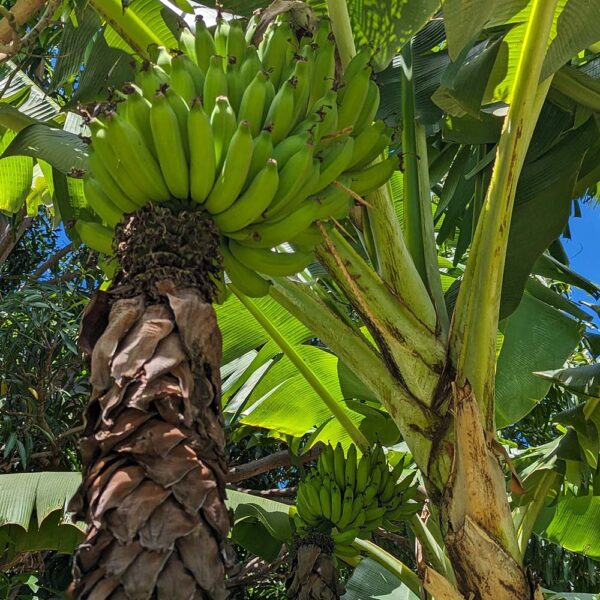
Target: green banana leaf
[
  {"x": 574, "y": 524},
  {"x": 64, "y": 150},
  {"x": 583, "y": 380},
  {"x": 371, "y": 581},
  {"x": 525, "y": 346}
]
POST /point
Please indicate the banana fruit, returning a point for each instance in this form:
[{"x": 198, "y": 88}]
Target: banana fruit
[
  {"x": 255, "y": 135},
  {"x": 351, "y": 496}
]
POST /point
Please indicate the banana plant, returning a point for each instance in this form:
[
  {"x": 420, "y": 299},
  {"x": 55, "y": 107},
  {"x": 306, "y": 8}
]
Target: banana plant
[{"x": 425, "y": 294}]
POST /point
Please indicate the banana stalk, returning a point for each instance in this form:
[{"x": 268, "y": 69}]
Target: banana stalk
[
  {"x": 473, "y": 332},
  {"x": 128, "y": 24},
  {"x": 391, "y": 563},
  {"x": 342, "y": 29},
  {"x": 362, "y": 357},
  {"x": 411, "y": 350},
  {"x": 396, "y": 266}
]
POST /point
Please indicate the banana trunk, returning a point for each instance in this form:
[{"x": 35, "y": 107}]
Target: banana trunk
[{"x": 154, "y": 469}]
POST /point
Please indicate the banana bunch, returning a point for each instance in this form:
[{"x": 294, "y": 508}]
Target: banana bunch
[
  {"x": 268, "y": 139},
  {"x": 351, "y": 497}
]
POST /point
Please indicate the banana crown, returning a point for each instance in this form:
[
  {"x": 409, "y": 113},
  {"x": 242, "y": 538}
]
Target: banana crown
[
  {"x": 350, "y": 497},
  {"x": 268, "y": 136}
]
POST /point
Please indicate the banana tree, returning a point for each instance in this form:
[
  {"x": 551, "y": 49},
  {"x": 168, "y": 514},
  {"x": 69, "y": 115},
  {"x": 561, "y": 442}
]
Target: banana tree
[{"x": 466, "y": 94}]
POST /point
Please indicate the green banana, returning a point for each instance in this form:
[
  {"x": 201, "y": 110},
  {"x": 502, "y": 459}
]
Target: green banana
[
  {"x": 388, "y": 490},
  {"x": 181, "y": 81},
  {"x": 254, "y": 101},
  {"x": 236, "y": 41},
  {"x": 339, "y": 465},
  {"x": 277, "y": 51},
  {"x": 291, "y": 179},
  {"x": 374, "y": 513},
  {"x": 358, "y": 521},
  {"x": 290, "y": 146},
  {"x": 250, "y": 67},
  {"x": 224, "y": 125},
  {"x": 333, "y": 203},
  {"x": 334, "y": 163},
  {"x": 301, "y": 77},
  {"x": 235, "y": 91},
  {"x": 215, "y": 83},
  {"x": 350, "y": 467},
  {"x": 371, "y": 492},
  {"x": 323, "y": 73},
  {"x": 373, "y": 177},
  {"x": 248, "y": 282},
  {"x": 359, "y": 62},
  {"x": 327, "y": 110},
  {"x": 345, "y": 551},
  {"x": 357, "y": 507},
  {"x": 312, "y": 497},
  {"x": 96, "y": 236},
  {"x": 267, "y": 262},
  {"x": 204, "y": 45},
  {"x": 102, "y": 205},
  {"x": 251, "y": 28},
  {"x": 138, "y": 113},
  {"x": 262, "y": 151},
  {"x": 181, "y": 109},
  {"x": 326, "y": 461},
  {"x": 169, "y": 146},
  {"x": 150, "y": 78},
  {"x": 323, "y": 32},
  {"x": 369, "y": 145},
  {"x": 111, "y": 188},
  {"x": 233, "y": 174},
  {"x": 269, "y": 235},
  {"x": 325, "y": 501},
  {"x": 251, "y": 204},
  {"x": 280, "y": 115},
  {"x": 309, "y": 238},
  {"x": 130, "y": 148},
  {"x": 354, "y": 100},
  {"x": 203, "y": 162},
  {"x": 369, "y": 110},
  {"x": 221, "y": 33},
  {"x": 345, "y": 537},
  {"x": 336, "y": 503},
  {"x": 187, "y": 44},
  {"x": 347, "y": 504},
  {"x": 362, "y": 474}
]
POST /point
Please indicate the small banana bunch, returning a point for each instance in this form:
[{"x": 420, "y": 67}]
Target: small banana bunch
[
  {"x": 268, "y": 139},
  {"x": 351, "y": 497}
]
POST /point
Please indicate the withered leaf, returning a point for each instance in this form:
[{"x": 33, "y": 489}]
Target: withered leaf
[
  {"x": 140, "y": 578},
  {"x": 129, "y": 517},
  {"x": 154, "y": 438},
  {"x": 167, "y": 523},
  {"x": 123, "y": 314},
  {"x": 118, "y": 557},
  {"x": 193, "y": 489},
  {"x": 121, "y": 484},
  {"x": 171, "y": 468},
  {"x": 141, "y": 342},
  {"x": 176, "y": 582}
]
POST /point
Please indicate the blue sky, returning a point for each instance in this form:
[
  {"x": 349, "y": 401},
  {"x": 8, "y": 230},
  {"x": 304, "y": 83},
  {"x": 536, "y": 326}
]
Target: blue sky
[{"x": 583, "y": 248}]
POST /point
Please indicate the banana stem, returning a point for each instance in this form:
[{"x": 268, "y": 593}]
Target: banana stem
[
  {"x": 412, "y": 200},
  {"x": 432, "y": 271},
  {"x": 342, "y": 29},
  {"x": 357, "y": 437},
  {"x": 392, "y": 564},
  {"x": 473, "y": 335},
  {"x": 127, "y": 24}
]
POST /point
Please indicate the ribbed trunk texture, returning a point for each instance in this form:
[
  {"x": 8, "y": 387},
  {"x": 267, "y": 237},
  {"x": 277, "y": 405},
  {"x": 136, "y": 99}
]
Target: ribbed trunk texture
[
  {"x": 314, "y": 575},
  {"x": 153, "y": 485}
]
